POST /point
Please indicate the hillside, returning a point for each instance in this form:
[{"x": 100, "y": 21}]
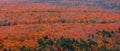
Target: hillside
[{"x": 59, "y": 25}]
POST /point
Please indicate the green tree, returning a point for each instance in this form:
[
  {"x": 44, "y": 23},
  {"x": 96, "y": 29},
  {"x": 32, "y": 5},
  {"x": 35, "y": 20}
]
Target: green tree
[
  {"x": 84, "y": 45},
  {"x": 49, "y": 42},
  {"x": 65, "y": 44}
]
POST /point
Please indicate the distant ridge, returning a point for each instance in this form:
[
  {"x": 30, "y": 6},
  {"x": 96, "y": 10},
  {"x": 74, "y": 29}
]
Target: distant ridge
[{"x": 106, "y": 4}]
